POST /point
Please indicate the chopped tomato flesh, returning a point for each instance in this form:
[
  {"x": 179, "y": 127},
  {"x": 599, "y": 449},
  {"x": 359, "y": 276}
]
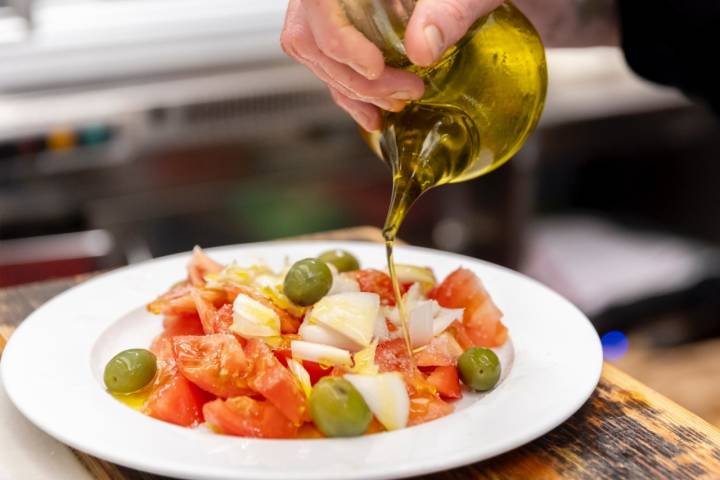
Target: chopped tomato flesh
[
  {"x": 276, "y": 383},
  {"x": 447, "y": 381},
  {"x": 199, "y": 266},
  {"x": 482, "y": 319},
  {"x": 177, "y": 401},
  {"x": 216, "y": 363},
  {"x": 375, "y": 281},
  {"x": 426, "y": 407},
  {"x": 182, "y": 324},
  {"x": 246, "y": 417}
]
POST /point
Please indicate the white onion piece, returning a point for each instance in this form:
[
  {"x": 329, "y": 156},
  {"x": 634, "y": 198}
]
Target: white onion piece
[
  {"x": 445, "y": 317},
  {"x": 386, "y": 396},
  {"x": 253, "y": 319},
  {"x": 420, "y": 324},
  {"x": 381, "y": 331},
  {"x": 316, "y": 333},
  {"x": 343, "y": 283},
  {"x": 351, "y": 314},
  {"x": 322, "y": 354},
  {"x": 302, "y": 375}
]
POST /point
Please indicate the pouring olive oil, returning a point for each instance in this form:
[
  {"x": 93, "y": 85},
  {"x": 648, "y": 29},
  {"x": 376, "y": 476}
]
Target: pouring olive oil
[{"x": 482, "y": 100}]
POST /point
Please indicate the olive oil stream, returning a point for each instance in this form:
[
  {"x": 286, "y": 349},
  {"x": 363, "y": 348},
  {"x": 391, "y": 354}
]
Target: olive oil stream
[{"x": 482, "y": 100}]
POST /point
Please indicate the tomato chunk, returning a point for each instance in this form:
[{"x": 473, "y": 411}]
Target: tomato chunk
[
  {"x": 213, "y": 320},
  {"x": 482, "y": 319},
  {"x": 426, "y": 407},
  {"x": 182, "y": 324},
  {"x": 375, "y": 281},
  {"x": 200, "y": 265},
  {"x": 216, "y": 363},
  {"x": 276, "y": 383},
  {"x": 443, "y": 350},
  {"x": 246, "y": 417},
  {"x": 177, "y": 401},
  {"x": 392, "y": 356},
  {"x": 447, "y": 381}
]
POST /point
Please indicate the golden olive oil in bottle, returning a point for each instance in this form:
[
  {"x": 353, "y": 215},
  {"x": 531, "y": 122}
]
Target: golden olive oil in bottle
[{"x": 482, "y": 100}]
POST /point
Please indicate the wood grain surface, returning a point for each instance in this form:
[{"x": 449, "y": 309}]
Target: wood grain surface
[{"x": 625, "y": 431}]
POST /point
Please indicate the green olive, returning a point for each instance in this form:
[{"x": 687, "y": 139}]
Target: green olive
[
  {"x": 307, "y": 281},
  {"x": 338, "y": 409},
  {"x": 479, "y": 368},
  {"x": 130, "y": 370},
  {"x": 343, "y": 260}
]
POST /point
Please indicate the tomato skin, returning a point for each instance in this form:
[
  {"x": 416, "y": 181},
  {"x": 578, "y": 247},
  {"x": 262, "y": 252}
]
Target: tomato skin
[
  {"x": 392, "y": 356},
  {"x": 482, "y": 319},
  {"x": 442, "y": 351},
  {"x": 246, "y": 417},
  {"x": 447, "y": 381},
  {"x": 216, "y": 363},
  {"x": 177, "y": 401},
  {"x": 199, "y": 266},
  {"x": 316, "y": 371},
  {"x": 182, "y": 324},
  {"x": 375, "y": 281},
  {"x": 179, "y": 300},
  {"x": 213, "y": 320},
  {"x": 426, "y": 407},
  {"x": 276, "y": 383}
]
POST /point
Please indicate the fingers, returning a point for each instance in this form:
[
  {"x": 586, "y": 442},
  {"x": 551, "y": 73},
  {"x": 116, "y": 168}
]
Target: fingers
[
  {"x": 366, "y": 115},
  {"x": 338, "y": 39},
  {"x": 389, "y": 91},
  {"x": 435, "y": 25}
]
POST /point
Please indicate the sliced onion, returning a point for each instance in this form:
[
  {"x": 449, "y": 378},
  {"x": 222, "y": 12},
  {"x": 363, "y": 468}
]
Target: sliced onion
[
  {"x": 445, "y": 317},
  {"x": 322, "y": 354},
  {"x": 317, "y": 333},
  {"x": 420, "y": 324}
]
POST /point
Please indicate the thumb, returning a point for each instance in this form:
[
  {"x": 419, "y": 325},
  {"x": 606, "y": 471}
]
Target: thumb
[{"x": 435, "y": 25}]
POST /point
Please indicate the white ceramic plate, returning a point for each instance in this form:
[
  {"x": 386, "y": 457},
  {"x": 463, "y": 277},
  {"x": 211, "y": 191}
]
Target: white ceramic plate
[{"x": 52, "y": 370}]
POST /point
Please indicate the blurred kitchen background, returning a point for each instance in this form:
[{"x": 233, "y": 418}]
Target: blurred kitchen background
[{"x": 131, "y": 129}]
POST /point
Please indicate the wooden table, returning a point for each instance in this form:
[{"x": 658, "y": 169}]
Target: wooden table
[{"x": 625, "y": 431}]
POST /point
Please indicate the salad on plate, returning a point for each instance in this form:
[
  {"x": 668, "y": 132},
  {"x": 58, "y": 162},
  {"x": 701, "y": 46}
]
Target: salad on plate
[{"x": 315, "y": 351}]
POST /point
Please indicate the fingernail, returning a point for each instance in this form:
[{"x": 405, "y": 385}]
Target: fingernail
[
  {"x": 402, "y": 95},
  {"x": 361, "y": 69},
  {"x": 392, "y": 106},
  {"x": 434, "y": 40}
]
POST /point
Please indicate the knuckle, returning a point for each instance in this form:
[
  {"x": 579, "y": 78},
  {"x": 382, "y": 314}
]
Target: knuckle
[{"x": 456, "y": 11}]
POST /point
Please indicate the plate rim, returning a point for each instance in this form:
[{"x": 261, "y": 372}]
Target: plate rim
[{"x": 399, "y": 470}]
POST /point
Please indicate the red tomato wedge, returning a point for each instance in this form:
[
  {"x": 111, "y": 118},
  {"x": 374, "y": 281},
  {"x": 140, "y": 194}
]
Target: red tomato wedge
[
  {"x": 276, "y": 383},
  {"x": 375, "y": 281},
  {"x": 199, "y": 266},
  {"x": 392, "y": 356},
  {"x": 246, "y": 417},
  {"x": 426, "y": 407},
  {"x": 482, "y": 319},
  {"x": 316, "y": 371},
  {"x": 213, "y": 320},
  {"x": 182, "y": 324},
  {"x": 179, "y": 300},
  {"x": 215, "y": 363},
  {"x": 447, "y": 382},
  {"x": 442, "y": 351},
  {"x": 163, "y": 350},
  {"x": 177, "y": 401}
]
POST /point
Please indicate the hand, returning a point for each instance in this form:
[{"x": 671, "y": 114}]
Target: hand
[{"x": 318, "y": 35}]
